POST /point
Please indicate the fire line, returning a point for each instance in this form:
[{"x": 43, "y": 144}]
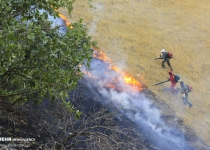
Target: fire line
[
  {"x": 135, "y": 85},
  {"x": 128, "y": 79}
]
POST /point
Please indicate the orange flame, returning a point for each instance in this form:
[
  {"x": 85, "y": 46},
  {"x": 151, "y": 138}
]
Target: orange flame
[
  {"x": 68, "y": 24},
  {"x": 131, "y": 81},
  {"x": 102, "y": 56},
  {"x": 127, "y": 78}
]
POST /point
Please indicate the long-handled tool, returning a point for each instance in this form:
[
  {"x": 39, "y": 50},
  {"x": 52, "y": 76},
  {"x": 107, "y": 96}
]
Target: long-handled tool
[
  {"x": 161, "y": 58},
  {"x": 162, "y": 82}
]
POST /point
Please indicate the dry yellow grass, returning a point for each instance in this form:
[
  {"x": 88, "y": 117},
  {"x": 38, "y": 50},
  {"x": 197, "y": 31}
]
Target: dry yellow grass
[{"x": 132, "y": 34}]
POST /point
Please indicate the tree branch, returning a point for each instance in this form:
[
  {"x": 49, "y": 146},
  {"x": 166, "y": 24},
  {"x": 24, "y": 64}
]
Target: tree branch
[
  {"x": 30, "y": 91},
  {"x": 15, "y": 68}
]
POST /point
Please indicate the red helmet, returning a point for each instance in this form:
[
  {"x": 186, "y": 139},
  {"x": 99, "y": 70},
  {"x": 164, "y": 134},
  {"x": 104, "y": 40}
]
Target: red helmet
[{"x": 170, "y": 72}]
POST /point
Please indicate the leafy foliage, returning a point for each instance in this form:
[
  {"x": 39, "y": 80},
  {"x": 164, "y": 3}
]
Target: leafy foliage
[{"x": 37, "y": 61}]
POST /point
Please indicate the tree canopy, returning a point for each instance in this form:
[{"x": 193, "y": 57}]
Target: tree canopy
[{"x": 37, "y": 60}]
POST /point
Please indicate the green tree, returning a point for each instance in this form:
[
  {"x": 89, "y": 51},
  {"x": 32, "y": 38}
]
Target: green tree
[{"x": 36, "y": 60}]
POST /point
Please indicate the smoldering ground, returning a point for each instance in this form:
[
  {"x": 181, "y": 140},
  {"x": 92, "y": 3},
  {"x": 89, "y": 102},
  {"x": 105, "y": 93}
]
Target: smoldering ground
[
  {"x": 109, "y": 86},
  {"x": 136, "y": 31}
]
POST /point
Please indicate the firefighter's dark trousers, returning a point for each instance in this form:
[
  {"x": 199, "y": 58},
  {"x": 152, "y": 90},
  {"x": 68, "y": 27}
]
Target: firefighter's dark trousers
[
  {"x": 168, "y": 62},
  {"x": 186, "y": 101}
]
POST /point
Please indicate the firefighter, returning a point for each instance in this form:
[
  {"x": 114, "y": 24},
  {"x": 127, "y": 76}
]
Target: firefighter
[
  {"x": 185, "y": 89},
  {"x": 166, "y": 56},
  {"x": 174, "y": 79}
]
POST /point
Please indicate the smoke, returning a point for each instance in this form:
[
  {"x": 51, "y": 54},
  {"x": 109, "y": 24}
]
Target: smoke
[
  {"x": 112, "y": 87},
  {"x": 56, "y": 22}
]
